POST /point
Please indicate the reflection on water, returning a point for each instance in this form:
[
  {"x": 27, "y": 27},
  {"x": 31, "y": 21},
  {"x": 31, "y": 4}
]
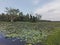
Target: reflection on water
[
  {"x": 10, "y": 41},
  {"x": 13, "y": 41}
]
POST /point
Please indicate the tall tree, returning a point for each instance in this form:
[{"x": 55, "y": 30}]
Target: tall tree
[
  {"x": 3, "y": 17},
  {"x": 31, "y": 17},
  {"x": 21, "y": 16},
  {"x": 27, "y": 17},
  {"x": 38, "y": 17},
  {"x": 12, "y": 12}
]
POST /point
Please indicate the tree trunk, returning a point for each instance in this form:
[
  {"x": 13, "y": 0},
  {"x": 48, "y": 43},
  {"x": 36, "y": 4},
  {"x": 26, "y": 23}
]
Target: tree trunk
[{"x": 11, "y": 20}]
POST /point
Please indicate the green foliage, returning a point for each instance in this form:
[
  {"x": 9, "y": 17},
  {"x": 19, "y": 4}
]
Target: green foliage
[
  {"x": 31, "y": 32},
  {"x": 15, "y": 15},
  {"x": 12, "y": 13},
  {"x": 31, "y": 36}
]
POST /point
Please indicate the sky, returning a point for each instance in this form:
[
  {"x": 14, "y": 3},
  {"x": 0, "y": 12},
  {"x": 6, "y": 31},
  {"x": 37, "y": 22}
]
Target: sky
[{"x": 48, "y": 9}]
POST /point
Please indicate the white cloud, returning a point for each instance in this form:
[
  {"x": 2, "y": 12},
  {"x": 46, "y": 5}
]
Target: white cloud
[
  {"x": 35, "y": 2},
  {"x": 50, "y": 11}
]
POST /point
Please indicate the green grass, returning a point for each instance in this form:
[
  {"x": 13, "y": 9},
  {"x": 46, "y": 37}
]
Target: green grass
[{"x": 54, "y": 38}]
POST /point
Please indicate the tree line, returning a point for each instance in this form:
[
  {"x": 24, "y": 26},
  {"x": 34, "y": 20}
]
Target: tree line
[{"x": 15, "y": 15}]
